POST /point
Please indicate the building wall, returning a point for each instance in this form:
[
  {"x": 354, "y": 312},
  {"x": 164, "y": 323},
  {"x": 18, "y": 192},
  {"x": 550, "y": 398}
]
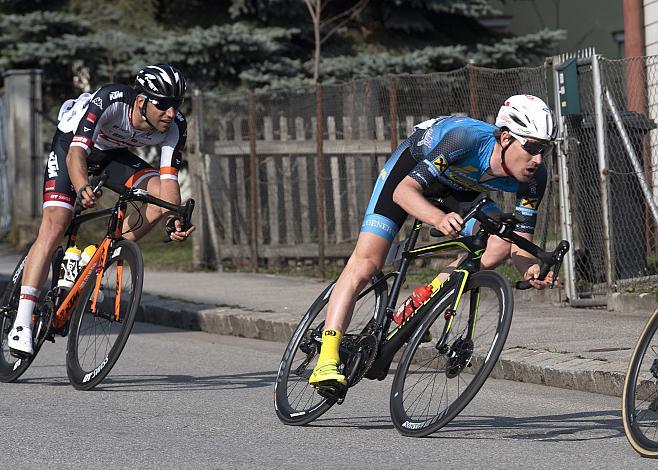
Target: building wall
[
  {"x": 651, "y": 26},
  {"x": 589, "y": 23}
]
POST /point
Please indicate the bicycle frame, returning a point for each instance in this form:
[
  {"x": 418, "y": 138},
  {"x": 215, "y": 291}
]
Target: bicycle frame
[
  {"x": 98, "y": 262},
  {"x": 452, "y": 288},
  {"x": 100, "y": 258}
]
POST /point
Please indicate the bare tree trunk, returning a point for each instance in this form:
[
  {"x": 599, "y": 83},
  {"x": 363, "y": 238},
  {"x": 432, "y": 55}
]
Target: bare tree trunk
[{"x": 315, "y": 12}]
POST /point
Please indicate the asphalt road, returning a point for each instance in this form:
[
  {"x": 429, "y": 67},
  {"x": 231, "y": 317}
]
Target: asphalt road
[{"x": 181, "y": 399}]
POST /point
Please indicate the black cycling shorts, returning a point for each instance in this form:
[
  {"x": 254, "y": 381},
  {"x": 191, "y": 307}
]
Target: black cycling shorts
[{"x": 124, "y": 170}]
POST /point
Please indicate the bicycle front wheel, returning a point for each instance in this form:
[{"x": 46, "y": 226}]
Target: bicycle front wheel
[
  {"x": 96, "y": 339},
  {"x": 295, "y": 401},
  {"x": 640, "y": 396},
  {"x": 434, "y": 382}
]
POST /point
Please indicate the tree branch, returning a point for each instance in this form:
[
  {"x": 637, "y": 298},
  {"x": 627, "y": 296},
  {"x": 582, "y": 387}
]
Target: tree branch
[{"x": 350, "y": 13}]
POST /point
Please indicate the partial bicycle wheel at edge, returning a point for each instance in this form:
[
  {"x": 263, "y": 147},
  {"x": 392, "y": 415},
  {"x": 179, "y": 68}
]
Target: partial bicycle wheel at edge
[
  {"x": 295, "y": 401},
  {"x": 640, "y": 396},
  {"x": 433, "y": 385},
  {"x": 11, "y": 368},
  {"x": 96, "y": 340}
]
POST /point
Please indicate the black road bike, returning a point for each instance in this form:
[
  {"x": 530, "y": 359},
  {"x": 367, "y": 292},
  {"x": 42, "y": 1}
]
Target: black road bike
[
  {"x": 98, "y": 312},
  {"x": 453, "y": 339}
]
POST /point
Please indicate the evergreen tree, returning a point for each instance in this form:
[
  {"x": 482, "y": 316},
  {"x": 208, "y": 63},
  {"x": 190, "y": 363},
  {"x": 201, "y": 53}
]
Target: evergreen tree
[{"x": 257, "y": 43}]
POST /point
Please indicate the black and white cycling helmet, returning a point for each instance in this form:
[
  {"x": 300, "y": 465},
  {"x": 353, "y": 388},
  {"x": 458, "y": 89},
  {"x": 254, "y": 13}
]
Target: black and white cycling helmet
[
  {"x": 161, "y": 81},
  {"x": 527, "y": 116}
]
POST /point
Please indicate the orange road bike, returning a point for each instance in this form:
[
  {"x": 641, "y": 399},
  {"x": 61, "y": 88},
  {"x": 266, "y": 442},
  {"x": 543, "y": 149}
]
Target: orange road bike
[{"x": 98, "y": 312}]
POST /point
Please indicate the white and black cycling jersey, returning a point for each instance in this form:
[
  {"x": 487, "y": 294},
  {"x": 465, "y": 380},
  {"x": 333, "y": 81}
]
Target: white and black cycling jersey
[{"x": 102, "y": 120}]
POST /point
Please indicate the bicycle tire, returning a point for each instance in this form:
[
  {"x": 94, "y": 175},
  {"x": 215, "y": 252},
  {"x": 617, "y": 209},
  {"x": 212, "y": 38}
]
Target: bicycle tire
[
  {"x": 97, "y": 340},
  {"x": 12, "y": 368},
  {"x": 422, "y": 364},
  {"x": 640, "y": 395},
  {"x": 297, "y": 403}
]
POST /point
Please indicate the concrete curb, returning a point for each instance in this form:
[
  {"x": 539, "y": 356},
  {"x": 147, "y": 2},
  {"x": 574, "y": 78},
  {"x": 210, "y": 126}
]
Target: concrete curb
[{"x": 561, "y": 370}]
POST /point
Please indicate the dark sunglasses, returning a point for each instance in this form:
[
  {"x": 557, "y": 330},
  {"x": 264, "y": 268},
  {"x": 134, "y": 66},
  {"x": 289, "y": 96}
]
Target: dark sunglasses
[
  {"x": 534, "y": 147},
  {"x": 164, "y": 104}
]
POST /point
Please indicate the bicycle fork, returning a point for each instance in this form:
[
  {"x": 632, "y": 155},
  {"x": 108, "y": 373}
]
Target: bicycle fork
[{"x": 460, "y": 351}]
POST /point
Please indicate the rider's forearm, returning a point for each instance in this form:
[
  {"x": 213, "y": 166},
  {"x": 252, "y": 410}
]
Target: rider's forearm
[
  {"x": 521, "y": 259},
  {"x": 409, "y": 196},
  {"x": 170, "y": 192},
  {"x": 76, "y": 163}
]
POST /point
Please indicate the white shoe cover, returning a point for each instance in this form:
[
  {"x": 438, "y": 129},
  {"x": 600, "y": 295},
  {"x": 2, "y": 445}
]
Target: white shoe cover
[{"x": 20, "y": 341}]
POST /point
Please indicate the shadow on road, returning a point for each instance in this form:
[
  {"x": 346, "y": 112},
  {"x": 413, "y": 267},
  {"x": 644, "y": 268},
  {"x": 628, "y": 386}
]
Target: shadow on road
[
  {"x": 582, "y": 426},
  {"x": 151, "y": 383}
]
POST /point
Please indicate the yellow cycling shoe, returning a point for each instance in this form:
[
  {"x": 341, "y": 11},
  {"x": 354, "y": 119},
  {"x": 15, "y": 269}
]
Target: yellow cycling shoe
[{"x": 326, "y": 373}]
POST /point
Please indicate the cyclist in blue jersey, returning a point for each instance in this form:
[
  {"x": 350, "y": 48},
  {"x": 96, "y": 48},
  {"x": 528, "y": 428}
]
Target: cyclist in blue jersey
[
  {"x": 457, "y": 156},
  {"x": 100, "y": 130}
]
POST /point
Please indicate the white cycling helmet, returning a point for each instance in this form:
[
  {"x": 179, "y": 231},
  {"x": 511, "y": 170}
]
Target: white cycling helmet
[{"x": 527, "y": 116}]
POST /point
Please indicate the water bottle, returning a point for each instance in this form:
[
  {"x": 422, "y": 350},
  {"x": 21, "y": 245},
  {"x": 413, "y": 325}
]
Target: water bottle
[
  {"x": 69, "y": 270},
  {"x": 415, "y": 300},
  {"x": 86, "y": 255}
]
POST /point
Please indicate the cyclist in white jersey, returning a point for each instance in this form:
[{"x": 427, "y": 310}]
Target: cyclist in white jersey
[{"x": 97, "y": 131}]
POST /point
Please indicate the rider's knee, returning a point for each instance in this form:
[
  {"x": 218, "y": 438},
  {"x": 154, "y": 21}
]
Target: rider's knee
[
  {"x": 363, "y": 268},
  {"x": 52, "y": 228}
]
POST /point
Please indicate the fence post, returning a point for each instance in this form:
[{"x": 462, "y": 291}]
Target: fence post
[
  {"x": 319, "y": 172},
  {"x": 394, "y": 112},
  {"x": 24, "y": 148},
  {"x": 603, "y": 169},
  {"x": 472, "y": 90},
  {"x": 253, "y": 186},
  {"x": 563, "y": 175}
]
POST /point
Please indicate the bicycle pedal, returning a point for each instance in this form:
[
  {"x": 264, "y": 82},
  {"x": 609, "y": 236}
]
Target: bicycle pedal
[
  {"x": 19, "y": 354},
  {"x": 333, "y": 390},
  {"x": 50, "y": 337}
]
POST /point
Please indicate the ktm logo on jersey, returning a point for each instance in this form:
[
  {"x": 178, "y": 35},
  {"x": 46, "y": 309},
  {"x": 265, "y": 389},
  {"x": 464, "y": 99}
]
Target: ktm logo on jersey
[
  {"x": 529, "y": 203},
  {"x": 441, "y": 163}
]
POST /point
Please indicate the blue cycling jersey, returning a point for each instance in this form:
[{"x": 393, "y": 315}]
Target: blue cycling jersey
[{"x": 455, "y": 152}]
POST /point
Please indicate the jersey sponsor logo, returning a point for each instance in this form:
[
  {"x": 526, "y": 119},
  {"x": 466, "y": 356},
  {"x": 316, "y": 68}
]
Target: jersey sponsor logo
[
  {"x": 529, "y": 202},
  {"x": 115, "y": 95},
  {"x": 53, "y": 166},
  {"x": 91, "y": 117},
  {"x": 98, "y": 102},
  {"x": 86, "y": 129},
  {"x": 82, "y": 139},
  {"x": 179, "y": 116},
  {"x": 441, "y": 163},
  {"x": 427, "y": 138},
  {"x": 49, "y": 186}
]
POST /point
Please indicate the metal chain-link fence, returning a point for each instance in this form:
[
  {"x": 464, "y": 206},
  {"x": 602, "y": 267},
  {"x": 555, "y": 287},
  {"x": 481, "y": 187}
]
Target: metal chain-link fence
[
  {"x": 299, "y": 177},
  {"x": 611, "y": 148}
]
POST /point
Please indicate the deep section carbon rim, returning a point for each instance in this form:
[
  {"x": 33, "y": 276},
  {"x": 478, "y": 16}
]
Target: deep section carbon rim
[
  {"x": 433, "y": 381},
  {"x": 640, "y": 397},
  {"x": 295, "y": 401}
]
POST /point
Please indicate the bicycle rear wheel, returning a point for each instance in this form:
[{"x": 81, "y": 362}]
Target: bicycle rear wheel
[
  {"x": 295, "y": 401},
  {"x": 433, "y": 384},
  {"x": 640, "y": 396},
  {"x": 96, "y": 340}
]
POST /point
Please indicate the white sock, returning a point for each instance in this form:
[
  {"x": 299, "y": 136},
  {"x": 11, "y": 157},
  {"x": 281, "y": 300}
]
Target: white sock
[{"x": 29, "y": 297}]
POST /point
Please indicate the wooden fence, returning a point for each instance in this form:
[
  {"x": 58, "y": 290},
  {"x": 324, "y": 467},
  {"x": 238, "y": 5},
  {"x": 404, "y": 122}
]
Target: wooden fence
[{"x": 286, "y": 195}]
